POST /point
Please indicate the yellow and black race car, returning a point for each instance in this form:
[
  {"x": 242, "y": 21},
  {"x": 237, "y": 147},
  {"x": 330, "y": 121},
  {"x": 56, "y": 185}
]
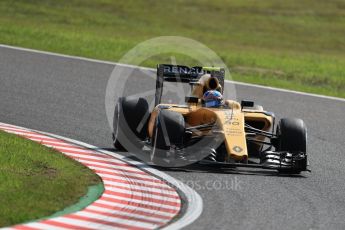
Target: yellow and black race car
[{"x": 208, "y": 128}]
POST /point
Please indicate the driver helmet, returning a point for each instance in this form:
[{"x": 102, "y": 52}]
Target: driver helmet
[{"x": 213, "y": 98}]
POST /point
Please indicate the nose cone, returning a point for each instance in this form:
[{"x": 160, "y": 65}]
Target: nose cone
[{"x": 232, "y": 124}]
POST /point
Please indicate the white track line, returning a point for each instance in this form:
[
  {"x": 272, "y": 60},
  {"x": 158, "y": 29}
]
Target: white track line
[
  {"x": 151, "y": 69},
  {"x": 286, "y": 90},
  {"x": 73, "y": 57}
]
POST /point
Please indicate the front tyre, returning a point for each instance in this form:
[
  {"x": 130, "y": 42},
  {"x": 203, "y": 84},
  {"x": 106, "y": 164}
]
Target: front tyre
[{"x": 292, "y": 136}]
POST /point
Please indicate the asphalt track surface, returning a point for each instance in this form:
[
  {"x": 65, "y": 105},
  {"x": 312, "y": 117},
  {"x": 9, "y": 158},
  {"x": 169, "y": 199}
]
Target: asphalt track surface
[{"x": 66, "y": 97}]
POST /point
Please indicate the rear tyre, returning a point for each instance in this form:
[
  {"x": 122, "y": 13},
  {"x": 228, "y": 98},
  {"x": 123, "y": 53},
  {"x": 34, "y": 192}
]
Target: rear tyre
[
  {"x": 130, "y": 123},
  {"x": 169, "y": 131},
  {"x": 292, "y": 135},
  {"x": 117, "y": 144}
]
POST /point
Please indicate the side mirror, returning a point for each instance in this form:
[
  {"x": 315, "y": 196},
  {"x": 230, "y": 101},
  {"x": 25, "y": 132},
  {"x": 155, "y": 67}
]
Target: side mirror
[
  {"x": 191, "y": 99},
  {"x": 247, "y": 104}
]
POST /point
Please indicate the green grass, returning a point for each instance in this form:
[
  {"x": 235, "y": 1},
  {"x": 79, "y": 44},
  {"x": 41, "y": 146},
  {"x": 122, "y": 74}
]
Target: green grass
[
  {"x": 36, "y": 181},
  {"x": 295, "y": 44}
]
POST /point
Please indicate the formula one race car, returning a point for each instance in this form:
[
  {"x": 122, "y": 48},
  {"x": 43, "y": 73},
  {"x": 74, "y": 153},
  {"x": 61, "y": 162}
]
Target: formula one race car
[{"x": 208, "y": 128}]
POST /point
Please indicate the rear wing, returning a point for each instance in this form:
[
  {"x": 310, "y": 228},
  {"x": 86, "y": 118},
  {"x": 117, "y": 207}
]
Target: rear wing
[
  {"x": 176, "y": 73},
  {"x": 184, "y": 74}
]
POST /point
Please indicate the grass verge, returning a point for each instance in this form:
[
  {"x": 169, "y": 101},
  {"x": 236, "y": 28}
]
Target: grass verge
[
  {"x": 37, "y": 181},
  {"x": 297, "y": 44}
]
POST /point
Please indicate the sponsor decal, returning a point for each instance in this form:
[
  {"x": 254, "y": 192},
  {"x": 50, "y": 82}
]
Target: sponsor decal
[{"x": 237, "y": 149}]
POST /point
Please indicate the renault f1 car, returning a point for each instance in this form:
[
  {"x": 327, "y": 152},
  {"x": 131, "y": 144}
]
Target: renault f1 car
[{"x": 235, "y": 134}]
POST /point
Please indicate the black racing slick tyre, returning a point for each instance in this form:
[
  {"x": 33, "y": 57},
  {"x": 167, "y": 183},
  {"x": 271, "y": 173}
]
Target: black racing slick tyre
[
  {"x": 130, "y": 123},
  {"x": 169, "y": 131},
  {"x": 292, "y": 134}
]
